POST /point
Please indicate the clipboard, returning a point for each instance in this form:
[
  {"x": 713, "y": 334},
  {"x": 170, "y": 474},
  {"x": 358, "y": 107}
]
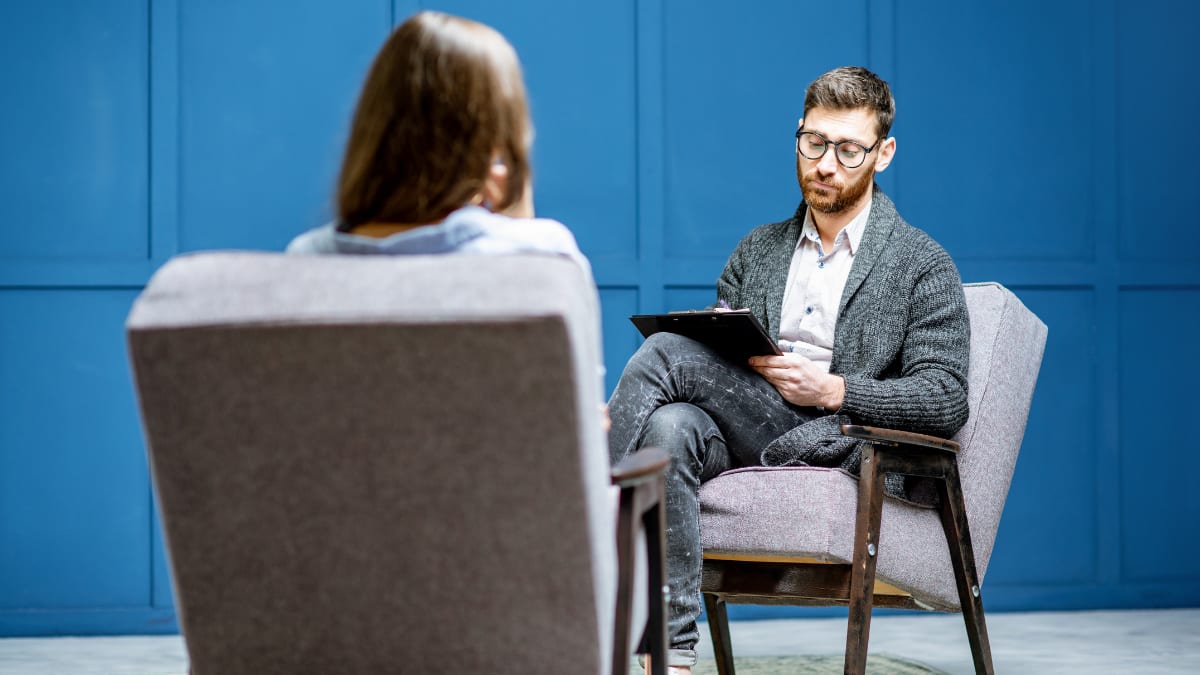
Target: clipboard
[{"x": 734, "y": 334}]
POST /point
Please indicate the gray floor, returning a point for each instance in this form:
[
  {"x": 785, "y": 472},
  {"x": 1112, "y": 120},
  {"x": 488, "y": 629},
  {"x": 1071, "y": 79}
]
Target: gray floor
[{"x": 1143, "y": 642}]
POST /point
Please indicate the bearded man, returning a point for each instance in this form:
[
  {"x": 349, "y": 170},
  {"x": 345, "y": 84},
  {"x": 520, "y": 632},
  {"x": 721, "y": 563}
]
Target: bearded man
[{"x": 868, "y": 310}]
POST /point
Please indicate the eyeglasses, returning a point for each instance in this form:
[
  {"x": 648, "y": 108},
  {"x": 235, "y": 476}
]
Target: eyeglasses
[{"x": 849, "y": 154}]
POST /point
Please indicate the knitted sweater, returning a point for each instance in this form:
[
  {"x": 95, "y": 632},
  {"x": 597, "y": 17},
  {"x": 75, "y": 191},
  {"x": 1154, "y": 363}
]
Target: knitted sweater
[{"x": 902, "y": 338}]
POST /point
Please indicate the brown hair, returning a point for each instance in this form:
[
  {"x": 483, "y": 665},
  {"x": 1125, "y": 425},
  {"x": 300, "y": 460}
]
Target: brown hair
[
  {"x": 852, "y": 87},
  {"x": 443, "y": 97}
]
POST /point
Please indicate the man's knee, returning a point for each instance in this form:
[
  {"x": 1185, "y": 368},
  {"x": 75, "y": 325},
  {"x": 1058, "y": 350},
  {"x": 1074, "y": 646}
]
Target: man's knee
[
  {"x": 665, "y": 340},
  {"x": 681, "y": 428},
  {"x": 669, "y": 347}
]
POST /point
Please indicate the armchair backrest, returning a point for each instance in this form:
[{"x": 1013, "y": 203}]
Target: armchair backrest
[
  {"x": 379, "y": 464},
  {"x": 1007, "y": 342}
]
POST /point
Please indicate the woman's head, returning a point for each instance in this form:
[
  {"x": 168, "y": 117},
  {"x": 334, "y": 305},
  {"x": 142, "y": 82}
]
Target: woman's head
[{"x": 443, "y": 108}]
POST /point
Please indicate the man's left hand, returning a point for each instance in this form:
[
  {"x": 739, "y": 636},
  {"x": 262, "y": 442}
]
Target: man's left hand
[{"x": 800, "y": 381}]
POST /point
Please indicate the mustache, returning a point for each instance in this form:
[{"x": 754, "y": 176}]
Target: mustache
[{"x": 814, "y": 177}]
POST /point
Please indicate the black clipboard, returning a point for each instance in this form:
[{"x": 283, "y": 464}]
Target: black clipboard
[{"x": 734, "y": 334}]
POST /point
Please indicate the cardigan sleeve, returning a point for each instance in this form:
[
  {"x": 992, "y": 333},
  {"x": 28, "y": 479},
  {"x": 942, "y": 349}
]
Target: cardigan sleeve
[
  {"x": 743, "y": 283},
  {"x": 729, "y": 284},
  {"x": 926, "y": 391}
]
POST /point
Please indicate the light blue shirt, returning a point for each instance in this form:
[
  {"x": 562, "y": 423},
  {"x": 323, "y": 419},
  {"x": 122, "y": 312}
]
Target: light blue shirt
[{"x": 469, "y": 230}]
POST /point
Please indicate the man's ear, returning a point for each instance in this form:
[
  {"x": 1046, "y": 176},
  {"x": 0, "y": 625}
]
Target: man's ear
[
  {"x": 887, "y": 152},
  {"x": 495, "y": 185}
]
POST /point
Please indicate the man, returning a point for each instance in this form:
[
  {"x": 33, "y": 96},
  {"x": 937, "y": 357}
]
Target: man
[{"x": 869, "y": 312}]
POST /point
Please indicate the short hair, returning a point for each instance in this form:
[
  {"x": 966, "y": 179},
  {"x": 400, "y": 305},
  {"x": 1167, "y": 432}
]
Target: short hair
[
  {"x": 852, "y": 87},
  {"x": 443, "y": 97}
]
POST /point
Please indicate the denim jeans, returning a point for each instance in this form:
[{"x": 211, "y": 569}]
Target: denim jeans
[{"x": 710, "y": 415}]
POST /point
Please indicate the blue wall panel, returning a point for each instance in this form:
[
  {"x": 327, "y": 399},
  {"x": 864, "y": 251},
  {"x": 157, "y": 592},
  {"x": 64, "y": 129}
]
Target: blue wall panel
[
  {"x": 74, "y": 138},
  {"x": 266, "y": 89},
  {"x": 664, "y": 133},
  {"x": 74, "y": 489},
  {"x": 997, "y": 152},
  {"x": 1159, "y": 509},
  {"x": 1156, "y": 104},
  {"x": 681, "y": 298},
  {"x": 1049, "y": 531},
  {"x": 620, "y": 337}
]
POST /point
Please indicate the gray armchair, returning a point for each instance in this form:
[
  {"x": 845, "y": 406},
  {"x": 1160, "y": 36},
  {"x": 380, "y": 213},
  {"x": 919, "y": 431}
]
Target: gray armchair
[
  {"x": 816, "y": 536},
  {"x": 375, "y": 464}
]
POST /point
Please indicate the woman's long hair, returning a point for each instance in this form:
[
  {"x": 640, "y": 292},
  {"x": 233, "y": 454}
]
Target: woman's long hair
[{"x": 442, "y": 101}]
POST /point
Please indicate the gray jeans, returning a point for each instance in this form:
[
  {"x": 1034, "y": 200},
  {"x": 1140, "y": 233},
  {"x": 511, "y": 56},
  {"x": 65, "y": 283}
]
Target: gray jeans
[{"x": 710, "y": 415}]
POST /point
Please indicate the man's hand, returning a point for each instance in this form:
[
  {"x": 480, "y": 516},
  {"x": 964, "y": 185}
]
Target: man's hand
[{"x": 800, "y": 381}]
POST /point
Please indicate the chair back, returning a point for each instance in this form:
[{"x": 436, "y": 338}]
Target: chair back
[
  {"x": 379, "y": 464},
  {"x": 1007, "y": 342}
]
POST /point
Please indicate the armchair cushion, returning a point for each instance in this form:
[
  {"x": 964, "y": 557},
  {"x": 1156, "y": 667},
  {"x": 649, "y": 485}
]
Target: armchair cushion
[{"x": 743, "y": 511}]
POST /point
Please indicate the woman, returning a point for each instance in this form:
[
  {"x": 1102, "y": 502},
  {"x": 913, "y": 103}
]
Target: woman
[
  {"x": 437, "y": 161},
  {"x": 438, "y": 155}
]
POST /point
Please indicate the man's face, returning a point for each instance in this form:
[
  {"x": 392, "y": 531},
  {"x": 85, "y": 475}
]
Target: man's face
[{"x": 828, "y": 186}]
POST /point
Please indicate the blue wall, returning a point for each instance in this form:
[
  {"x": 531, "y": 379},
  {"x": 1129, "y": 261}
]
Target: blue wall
[{"x": 1050, "y": 145}]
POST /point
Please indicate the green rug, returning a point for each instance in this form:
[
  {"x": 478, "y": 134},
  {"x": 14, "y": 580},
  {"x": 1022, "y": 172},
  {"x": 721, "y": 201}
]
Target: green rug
[{"x": 810, "y": 665}]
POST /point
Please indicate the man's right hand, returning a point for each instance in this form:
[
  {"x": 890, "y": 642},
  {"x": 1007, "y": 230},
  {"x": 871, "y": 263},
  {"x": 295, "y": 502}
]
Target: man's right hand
[{"x": 800, "y": 381}]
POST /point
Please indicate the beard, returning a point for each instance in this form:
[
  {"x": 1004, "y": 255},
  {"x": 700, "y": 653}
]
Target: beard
[{"x": 841, "y": 197}]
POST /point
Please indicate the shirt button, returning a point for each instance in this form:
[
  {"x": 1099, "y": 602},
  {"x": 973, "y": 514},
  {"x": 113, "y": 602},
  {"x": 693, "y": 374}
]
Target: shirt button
[
  {"x": 808, "y": 310},
  {"x": 821, "y": 265}
]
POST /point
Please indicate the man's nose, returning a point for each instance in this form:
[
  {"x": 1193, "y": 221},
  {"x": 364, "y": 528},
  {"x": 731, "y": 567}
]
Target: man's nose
[{"x": 828, "y": 163}]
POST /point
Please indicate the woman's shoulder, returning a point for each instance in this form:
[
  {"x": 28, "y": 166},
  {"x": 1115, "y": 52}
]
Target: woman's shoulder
[
  {"x": 520, "y": 234},
  {"x": 317, "y": 240}
]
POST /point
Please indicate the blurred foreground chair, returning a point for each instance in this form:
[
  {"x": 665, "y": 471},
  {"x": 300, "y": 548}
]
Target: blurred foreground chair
[
  {"x": 386, "y": 465},
  {"x": 816, "y": 536}
]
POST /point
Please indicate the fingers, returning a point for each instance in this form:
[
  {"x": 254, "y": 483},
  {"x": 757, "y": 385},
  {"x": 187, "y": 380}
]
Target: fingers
[
  {"x": 785, "y": 361},
  {"x": 776, "y": 376}
]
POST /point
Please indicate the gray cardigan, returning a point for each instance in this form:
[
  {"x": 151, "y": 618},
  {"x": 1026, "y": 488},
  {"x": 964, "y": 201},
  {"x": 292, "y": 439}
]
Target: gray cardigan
[{"x": 902, "y": 339}]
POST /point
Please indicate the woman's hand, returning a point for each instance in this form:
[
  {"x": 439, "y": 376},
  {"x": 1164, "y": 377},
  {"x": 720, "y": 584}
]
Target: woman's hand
[
  {"x": 495, "y": 188},
  {"x": 523, "y": 207}
]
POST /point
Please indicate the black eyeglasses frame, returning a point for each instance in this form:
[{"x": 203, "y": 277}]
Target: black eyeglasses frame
[{"x": 836, "y": 146}]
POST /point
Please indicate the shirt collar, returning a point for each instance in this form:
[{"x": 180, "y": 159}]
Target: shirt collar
[
  {"x": 446, "y": 236},
  {"x": 853, "y": 231}
]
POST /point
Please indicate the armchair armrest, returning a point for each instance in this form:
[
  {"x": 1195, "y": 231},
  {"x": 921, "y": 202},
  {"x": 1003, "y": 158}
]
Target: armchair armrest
[
  {"x": 904, "y": 440},
  {"x": 641, "y": 466}
]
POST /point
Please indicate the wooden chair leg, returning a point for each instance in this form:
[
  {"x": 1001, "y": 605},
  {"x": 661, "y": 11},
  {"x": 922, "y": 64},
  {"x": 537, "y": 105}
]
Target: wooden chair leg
[
  {"x": 962, "y": 556},
  {"x": 866, "y": 548},
  {"x": 643, "y": 490},
  {"x": 718, "y": 628},
  {"x": 625, "y": 569},
  {"x": 655, "y": 524}
]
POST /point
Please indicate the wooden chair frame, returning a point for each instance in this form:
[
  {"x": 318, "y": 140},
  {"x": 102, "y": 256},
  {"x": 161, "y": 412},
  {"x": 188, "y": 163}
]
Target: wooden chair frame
[
  {"x": 814, "y": 583},
  {"x": 640, "y": 477}
]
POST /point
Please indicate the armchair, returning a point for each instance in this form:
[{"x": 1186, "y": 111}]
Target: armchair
[
  {"x": 816, "y": 536},
  {"x": 390, "y": 465}
]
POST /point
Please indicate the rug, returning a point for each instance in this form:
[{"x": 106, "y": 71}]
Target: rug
[{"x": 809, "y": 665}]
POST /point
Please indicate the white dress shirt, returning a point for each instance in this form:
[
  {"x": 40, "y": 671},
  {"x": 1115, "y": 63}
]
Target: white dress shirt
[{"x": 816, "y": 279}]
